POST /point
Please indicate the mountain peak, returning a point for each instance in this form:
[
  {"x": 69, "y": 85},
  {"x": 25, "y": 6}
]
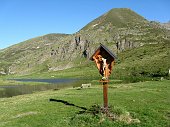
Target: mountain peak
[{"x": 118, "y": 17}]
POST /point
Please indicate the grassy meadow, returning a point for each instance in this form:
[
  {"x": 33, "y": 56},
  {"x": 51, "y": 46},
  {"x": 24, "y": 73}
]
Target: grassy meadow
[{"x": 135, "y": 105}]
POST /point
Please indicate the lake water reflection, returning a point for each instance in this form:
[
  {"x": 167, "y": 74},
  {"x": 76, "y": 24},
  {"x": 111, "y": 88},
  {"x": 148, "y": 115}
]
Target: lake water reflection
[{"x": 13, "y": 90}]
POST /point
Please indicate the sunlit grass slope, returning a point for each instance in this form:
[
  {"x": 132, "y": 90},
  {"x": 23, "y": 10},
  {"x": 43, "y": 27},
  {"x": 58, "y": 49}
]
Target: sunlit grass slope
[{"x": 146, "y": 101}]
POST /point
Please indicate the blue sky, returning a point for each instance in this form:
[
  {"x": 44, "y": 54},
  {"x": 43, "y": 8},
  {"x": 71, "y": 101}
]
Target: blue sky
[{"x": 25, "y": 19}]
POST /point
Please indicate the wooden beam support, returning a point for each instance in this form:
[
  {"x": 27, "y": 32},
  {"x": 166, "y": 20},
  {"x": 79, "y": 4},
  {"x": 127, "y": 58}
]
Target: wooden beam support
[{"x": 105, "y": 95}]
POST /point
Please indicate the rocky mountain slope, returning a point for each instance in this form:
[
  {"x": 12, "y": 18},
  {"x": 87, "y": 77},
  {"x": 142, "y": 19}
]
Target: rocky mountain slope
[
  {"x": 166, "y": 25},
  {"x": 119, "y": 29}
]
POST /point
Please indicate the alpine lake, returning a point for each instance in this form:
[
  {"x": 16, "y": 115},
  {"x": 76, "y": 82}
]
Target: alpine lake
[{"x": 32, "y": 86}]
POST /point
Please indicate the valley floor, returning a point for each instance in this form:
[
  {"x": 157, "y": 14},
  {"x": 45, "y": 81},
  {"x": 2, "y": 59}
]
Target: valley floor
[{"x": 149, "y": 102}]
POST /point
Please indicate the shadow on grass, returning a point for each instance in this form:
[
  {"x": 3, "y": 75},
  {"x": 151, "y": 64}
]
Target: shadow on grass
[{"x": 67, "y": 103}]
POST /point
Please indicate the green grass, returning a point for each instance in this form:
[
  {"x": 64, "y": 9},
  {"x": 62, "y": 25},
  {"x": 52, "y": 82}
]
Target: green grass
[{"x": 147, "y": 101}]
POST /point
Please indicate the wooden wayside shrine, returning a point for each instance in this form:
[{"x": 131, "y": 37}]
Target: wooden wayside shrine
[{"x": 104, "y": 60}]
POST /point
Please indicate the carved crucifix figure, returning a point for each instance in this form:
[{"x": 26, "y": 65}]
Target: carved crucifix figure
[{"x": 102, "y": 66}]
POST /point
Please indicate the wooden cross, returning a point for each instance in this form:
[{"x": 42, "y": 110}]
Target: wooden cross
[{"x": 104, "y": 60}]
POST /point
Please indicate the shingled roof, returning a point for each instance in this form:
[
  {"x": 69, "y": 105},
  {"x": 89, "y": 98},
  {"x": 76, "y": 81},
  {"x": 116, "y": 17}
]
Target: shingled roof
[{"x": 106, "y": 49}]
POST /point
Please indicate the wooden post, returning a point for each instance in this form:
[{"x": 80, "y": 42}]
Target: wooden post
[
  {"x": 105, "y": 88},
  {"x": 105, "y": 95}
]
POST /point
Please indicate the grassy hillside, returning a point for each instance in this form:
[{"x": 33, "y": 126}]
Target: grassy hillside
[
  {"x": 148, "y": 61},
  {"x": 26, "y": 55},
  {"x": 139, "y": 104}
]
